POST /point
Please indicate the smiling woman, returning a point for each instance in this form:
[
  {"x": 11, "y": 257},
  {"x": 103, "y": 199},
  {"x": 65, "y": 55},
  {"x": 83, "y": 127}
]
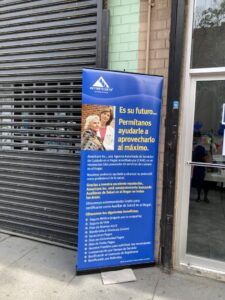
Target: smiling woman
[
  {"x": 90, "y": 140},
  {"x": 106, "y": 132}
]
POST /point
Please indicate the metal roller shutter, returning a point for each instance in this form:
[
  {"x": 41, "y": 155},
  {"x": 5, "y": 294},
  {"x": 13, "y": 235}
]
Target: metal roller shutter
[{"x": 44, "y": 44}]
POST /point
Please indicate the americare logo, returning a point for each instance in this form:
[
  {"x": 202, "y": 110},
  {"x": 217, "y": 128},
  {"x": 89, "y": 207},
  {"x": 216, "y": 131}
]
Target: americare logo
[{"x": 101, "y": 86}]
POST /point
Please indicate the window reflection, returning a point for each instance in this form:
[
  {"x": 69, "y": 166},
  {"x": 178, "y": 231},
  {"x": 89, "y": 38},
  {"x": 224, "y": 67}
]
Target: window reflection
[
  {"x": 206, "y": 223},
  {"x": 209, "y": 13},
  {"x": 208, "y": 34}
]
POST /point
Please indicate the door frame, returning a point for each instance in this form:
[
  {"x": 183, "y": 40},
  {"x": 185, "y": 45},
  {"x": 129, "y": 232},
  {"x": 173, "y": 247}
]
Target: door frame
[{"x": 182, "y": 261}]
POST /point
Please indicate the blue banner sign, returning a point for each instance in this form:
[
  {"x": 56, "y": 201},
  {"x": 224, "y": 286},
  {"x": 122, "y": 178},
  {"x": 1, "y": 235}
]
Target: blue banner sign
[{"x": 119, "y": 153}]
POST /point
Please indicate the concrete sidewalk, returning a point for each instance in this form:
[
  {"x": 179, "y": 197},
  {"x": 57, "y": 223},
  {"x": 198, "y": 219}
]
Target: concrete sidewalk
[{"x": 30, "y": 270}]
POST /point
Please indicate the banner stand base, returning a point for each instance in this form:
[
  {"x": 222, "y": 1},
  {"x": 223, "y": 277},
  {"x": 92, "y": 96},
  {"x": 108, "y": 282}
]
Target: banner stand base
[{"x": 99, "y": 270}]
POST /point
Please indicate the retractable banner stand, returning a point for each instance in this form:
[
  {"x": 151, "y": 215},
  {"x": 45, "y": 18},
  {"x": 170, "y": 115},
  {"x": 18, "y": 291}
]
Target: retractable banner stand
[{"x": 119, "y": 152}]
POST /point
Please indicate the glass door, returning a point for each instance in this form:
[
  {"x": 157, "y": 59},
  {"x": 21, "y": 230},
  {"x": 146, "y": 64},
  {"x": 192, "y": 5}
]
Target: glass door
[
  {"x": 206, "y": 171},
  {"x": 200, "y": 209}
]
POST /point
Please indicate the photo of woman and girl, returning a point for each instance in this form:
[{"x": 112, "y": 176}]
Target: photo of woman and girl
[{"x": 98, "y": 132}]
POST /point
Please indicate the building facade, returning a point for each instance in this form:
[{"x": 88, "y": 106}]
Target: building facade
[
  {"x": 43, "y": 48},
  {"x": 183, "y": 41}
]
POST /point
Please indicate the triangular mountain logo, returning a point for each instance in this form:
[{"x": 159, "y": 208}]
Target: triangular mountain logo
[{"x": 101, "y": 83}]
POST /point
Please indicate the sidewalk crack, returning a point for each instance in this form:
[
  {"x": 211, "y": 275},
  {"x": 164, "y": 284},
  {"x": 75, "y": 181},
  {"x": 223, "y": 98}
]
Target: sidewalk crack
[
  {"x": 19, "y": 258},
  {"x": 154, "y": 292},
  {"x": 2, "y": 240}
]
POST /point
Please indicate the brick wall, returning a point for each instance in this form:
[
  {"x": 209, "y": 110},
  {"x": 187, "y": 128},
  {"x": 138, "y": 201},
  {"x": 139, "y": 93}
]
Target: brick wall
[
  {"x": 158, "y": 65},
  {"x": 123, "y": 35},
  {"x": 127, "y": 51}
]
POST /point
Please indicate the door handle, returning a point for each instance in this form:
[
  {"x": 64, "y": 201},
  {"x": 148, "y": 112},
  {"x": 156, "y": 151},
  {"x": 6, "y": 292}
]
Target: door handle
[{"x": 207, "y": 165}]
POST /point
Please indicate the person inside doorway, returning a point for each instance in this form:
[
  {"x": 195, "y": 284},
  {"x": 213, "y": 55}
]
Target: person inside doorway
[{"x": 200, "y": 154}]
